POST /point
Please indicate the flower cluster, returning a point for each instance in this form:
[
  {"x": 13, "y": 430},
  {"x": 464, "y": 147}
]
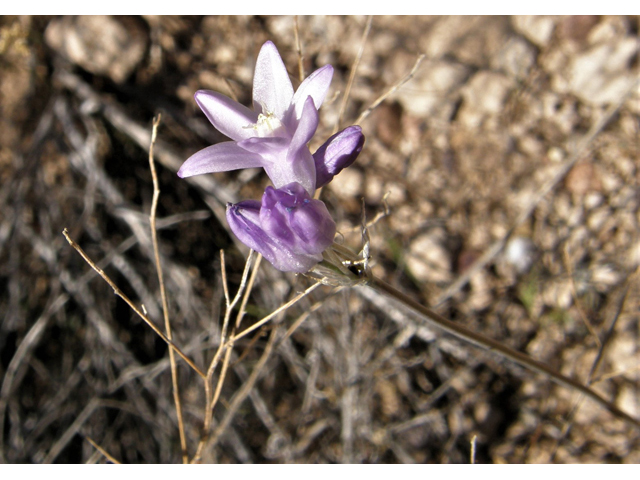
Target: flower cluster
[{"x": 288, "y": 227}]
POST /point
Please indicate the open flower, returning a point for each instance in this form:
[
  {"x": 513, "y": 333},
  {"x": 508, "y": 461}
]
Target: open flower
[
  {"x": 289, "y": 228},
  {"x": 274, "y": 135}
]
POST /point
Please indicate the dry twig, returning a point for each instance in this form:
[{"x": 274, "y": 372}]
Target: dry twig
[
  {"x": 120, "y": 294},
  {"x": 163, "y": 294}
]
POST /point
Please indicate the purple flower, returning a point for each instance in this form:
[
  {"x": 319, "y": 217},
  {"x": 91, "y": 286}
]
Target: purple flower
[
  {"x": 289, "y": 228},
  {"x": 274, "y": 135},
  {"x": 337, "y": 153}
]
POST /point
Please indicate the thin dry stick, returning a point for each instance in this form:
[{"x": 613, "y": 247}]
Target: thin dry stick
[
  {"x": 251, "y": 343},
  {"x": 594, "y": 367},
  {"x": 211, "y": 396},
  {"x": 66, "y": 437},
  {"x": 492, "y": 345},
  {"x": 29, "y": 342},
  {"x": 497, "y": 246},
  {"x": 228, "y": 346},
  {"x": 298, "y": 48},
  {"x": 614, "y": 374},
  {"x": 391, "y": 91},
  {"x": 244, "y": 391},
  {"x": 229, "y": 306},
  {"x": 246, "y": 288},
  {"x": 261, "y": 322},
  {"x": 352, "y": 75},
  {"x": 163, "y": 294},
  {"x": 120, "y": 294},
  {"x": 221, "y": 378},
  {"x": 607, "y": 336},
  {"x": 247, "y": 293},
  {"x": 316, "y": 306},
  {"x": 102, "y": 451}
]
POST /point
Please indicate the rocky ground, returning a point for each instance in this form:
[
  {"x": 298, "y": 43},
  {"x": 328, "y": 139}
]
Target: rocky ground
[{"x": 509, "y": 165}]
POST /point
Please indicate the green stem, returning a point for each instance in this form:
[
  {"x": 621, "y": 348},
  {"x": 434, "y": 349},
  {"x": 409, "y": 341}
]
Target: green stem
[{"x": 487, "y": 343}]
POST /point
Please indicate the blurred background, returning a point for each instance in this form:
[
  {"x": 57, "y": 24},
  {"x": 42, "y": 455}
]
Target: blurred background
[{"x": 510, "y": 160}]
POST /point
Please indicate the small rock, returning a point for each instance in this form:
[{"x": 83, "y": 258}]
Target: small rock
[
  {"x": 388, "y": 123},
  {"x": 520, "y": 252},
  {"x": 602, "y": 75},
  {"x": 485, "y": 94},
  {"x": 582, "y": 179},
  {"x": 100, "y": 44},
  {"x": 558, "y": 294},
  {"x": 604, "y": 277},
  {"x": 538, "y": 28},
  {"x": 633, "y": 255},
  {"x": 429, "y": 260},
  {"x": 593, "y": 200},
  {"x": 516, "y": 58},
  {"x": 431, "y": 86},
  {"x": 597, "y": 219},
  {"x": 577, "y": 27},
  {"x": 348, "y": 184}
]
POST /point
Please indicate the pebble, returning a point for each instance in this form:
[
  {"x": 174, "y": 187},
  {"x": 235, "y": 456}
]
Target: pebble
[
  {"x": 101, "y": 44},
  {"x": 601, "y": 75}
]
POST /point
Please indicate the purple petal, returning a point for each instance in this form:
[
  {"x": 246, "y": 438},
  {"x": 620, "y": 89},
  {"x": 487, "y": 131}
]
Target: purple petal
[
  {"x": 315, "y": 86},
  {"x": 300, "y": 165},
  {"x": 244, "y": 221},
  {"x": 337, "y": 153},
  {"x": 271, "y": 85},
  {"x": 312, "y": 225},
  {"x": 221, "y": 157},
  {"x": 231, "y": 118},
  {"x": 273, "y": 151},
  {"x": 296, "y": 221},
  {"x": 268, "y": 147},
  {"x": 276, "y": 161},
  {"x": 306, "y": 127}
]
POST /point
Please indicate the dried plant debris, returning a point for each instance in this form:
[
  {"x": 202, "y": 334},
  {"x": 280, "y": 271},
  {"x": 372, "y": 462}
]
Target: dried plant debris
[{"x": 458, "y": 154}]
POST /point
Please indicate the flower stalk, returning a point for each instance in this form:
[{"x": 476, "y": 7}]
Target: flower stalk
[{"x": 487, "y": 343}]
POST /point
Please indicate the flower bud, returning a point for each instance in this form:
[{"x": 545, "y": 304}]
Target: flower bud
[
  {"x": 289, "y": 228},
  {"x": 337, "y": 153}
]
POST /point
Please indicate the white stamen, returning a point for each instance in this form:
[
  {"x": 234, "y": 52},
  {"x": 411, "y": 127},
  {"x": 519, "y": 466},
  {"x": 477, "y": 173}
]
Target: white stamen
[{"x": 266, "y": 125}]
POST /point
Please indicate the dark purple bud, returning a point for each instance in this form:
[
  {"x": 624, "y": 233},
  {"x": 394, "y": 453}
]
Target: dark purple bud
[
  {"x": 289, "y": 228},
  {"x": 337, "y": 153}
]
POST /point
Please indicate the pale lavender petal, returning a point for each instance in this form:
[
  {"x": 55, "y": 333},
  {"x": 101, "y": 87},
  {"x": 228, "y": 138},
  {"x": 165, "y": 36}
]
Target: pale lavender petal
[
  {"x": 221, "y": 157},
  {"x": 315, "y": 86},
  {"x": 301, "y": 170},
  {"x": 271, "y": 85},
  {"x": 269, "y": 147},
  {"x": 282, "y": 171},
  {"x": 337, "y": 153},
  {"x": 231, "y": 118},
  {"x": 307, "y": 126},
  {"x": 300, "y": 164}
]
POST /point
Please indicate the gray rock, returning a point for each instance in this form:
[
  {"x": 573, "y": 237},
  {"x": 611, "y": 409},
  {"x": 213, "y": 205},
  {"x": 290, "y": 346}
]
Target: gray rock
[
  {"x": 429, "y": 90},
  {"x": 100, "y": 44},
  {"x": 601, "y": 74},
  {"x": 537, "y": 28}
]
